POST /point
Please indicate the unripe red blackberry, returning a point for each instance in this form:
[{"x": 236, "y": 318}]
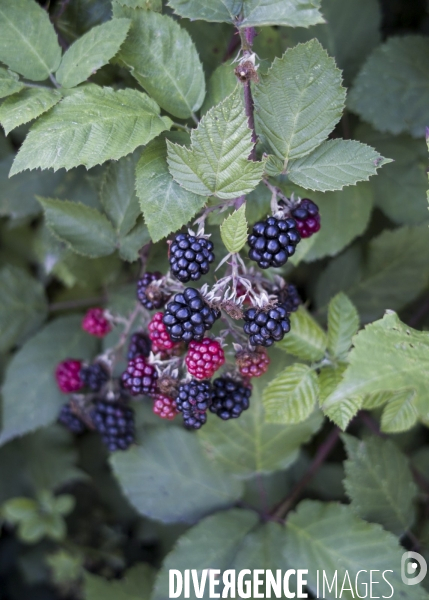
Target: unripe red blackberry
[
  {"x": 115, "y": 423},
  {"x": 95, "y": 323},
  {"x": 193, "y": 400},
  {"x": 307, "y": 217},
  {"x": 68, "y": 377},
  {"x": 252, "y": 363},
  {"x": 187, "y": 317},
  {"x": 190, "y": 257},
  {"x": 164, "y": 407},
  {"x": 140, "y": 377},
  {"x": 230, "y": 398},
  {"x": 264, "y": 327},
  {"x": 140, "y": 345},
  {"x": 204, "y": 358},
  {"x": 94, "y": 376},
  {"x": 159, "y": 335},
  {"x": 70, "y": 420},
  {"x": 273, "y": 241},
  {"x": 150, "y": 296}
]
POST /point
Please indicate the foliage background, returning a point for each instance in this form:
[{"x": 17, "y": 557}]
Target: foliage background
[{"x": 78, "y": 523}]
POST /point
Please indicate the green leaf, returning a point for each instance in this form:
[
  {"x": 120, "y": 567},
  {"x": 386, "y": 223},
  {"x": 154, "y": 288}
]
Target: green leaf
[
  {"x": 84, "y": 229},
  {"x": 406, "y": 177},
  {"x": 299, "y": 101},
  {"x": 217, "y": 161},
  {"x": 225, "y": 531},
  {"x": 400, "y": 413},
  {"x": 353, "y": 205},
  {"x": 330, "y": 537},
  {"x": 166, "y": 205},
  {"x": 379, "y": 483},
  {"x": 117, "y": 194},
  {"x": 387, "y": 356},
  {"x": 92, "y": 51},
  {"x": 250, "y": 445},
  {"x": 341, "y": 413},
  {"x": 292, "y": 13},
  {"x": 306, "y": 338},
  {"x": 157, "y": 475},
  {"x": 31, "y": 398},
  {"x": 131, "y": 243},
  {"x": 29, "y": 44},
  {"x": 221, "y": 84},
  {"x": 401, "y": 103},
  {"x": 26, "y": 106},
  {"x": 233, "y": 230},
  {"x": 393, "y": 273},
  {"x": 334, "y": 165},
  {"x": 23, "y": 306},
  {"x": 19, "y": 509},
  {"x": 290, "y": 397},
  {"x": 163, "y": 58},
  {"x": 343, "y": 324},
  {"x": 88, "y": 127},
  {"x": 135, "y": 585},
  {"x": 9, "y": 83}
]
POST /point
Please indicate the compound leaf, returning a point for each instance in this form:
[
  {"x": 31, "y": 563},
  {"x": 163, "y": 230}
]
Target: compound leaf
[
  {"x": 92, "y": 51},
  {"x": 299, "y": 101},
  {"x": 28, "y": 41},
  {"x": 26, "y": 106},
  {"x": 290, "y": 397},
  {"x": 216, "y": 163},
  {"x": 88, "y": 127},
  {"x": 162, "y": 57},
  {"x": 334, "y": 165}
]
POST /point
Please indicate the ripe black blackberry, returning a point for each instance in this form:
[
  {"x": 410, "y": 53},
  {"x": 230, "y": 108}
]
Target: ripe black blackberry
[
  {"x": 230, "y": 398},
  {"x": 115, "y": 423},
  {"x": 272, "y": 241},
  {"x": 94, "y": 376},
  {"x": 190, "y": 257},
  {"x": 140, "y": 345},
  {"x": 188, "y": 316},
  {"x": 289, "y": 298},
  {"x": 193, "y": 400},
  {"x": 151, "y": 297},
  {"x": 266, "y": 327},
  {"x": 70, "y": 420}
]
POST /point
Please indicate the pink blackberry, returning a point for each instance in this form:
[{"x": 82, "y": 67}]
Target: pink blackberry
[
  {"x": 307, "y": 218},
  {"x": 204, "y": 358},
  {"x": 68, "y": 377},
  {"x": 161, "y": 340},
  {"x": 95, "y": 323},
  {"x": 164, "y": 407},
  {"x": 140, "y": 377},
  {"x": 252, "y": 363}
]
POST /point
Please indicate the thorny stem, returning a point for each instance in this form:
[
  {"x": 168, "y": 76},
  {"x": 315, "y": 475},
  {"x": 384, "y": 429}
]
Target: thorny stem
[
  {"x": 281, "y": 510},
  {"x": 247, "y": 37},
  {"x": 112, "y": 352}
]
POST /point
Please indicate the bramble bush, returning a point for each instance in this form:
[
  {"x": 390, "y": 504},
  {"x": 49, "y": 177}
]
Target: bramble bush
[{"x": 213, "y": 292}]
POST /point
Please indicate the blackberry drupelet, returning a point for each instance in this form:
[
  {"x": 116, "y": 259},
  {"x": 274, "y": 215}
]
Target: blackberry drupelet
[
  {"x": 230, "y": 398},
  {"x": 94, "y": 376},
  {"x": 266, "y": 327},
  {"x": 149, "y": 296},
  {"x": 193, "y": 400},
  {"x": 188, "y": 316},
  {"x": 115, "y": 423},
  {"x": 272, "y": 241},
  {"x": 190, "y": 257},
  {"x": 70, "y": 420},
  {"x": 140, "y": 345},
  {"x": 307, "y": 217},
  {"x": 140, "y": 377}
]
